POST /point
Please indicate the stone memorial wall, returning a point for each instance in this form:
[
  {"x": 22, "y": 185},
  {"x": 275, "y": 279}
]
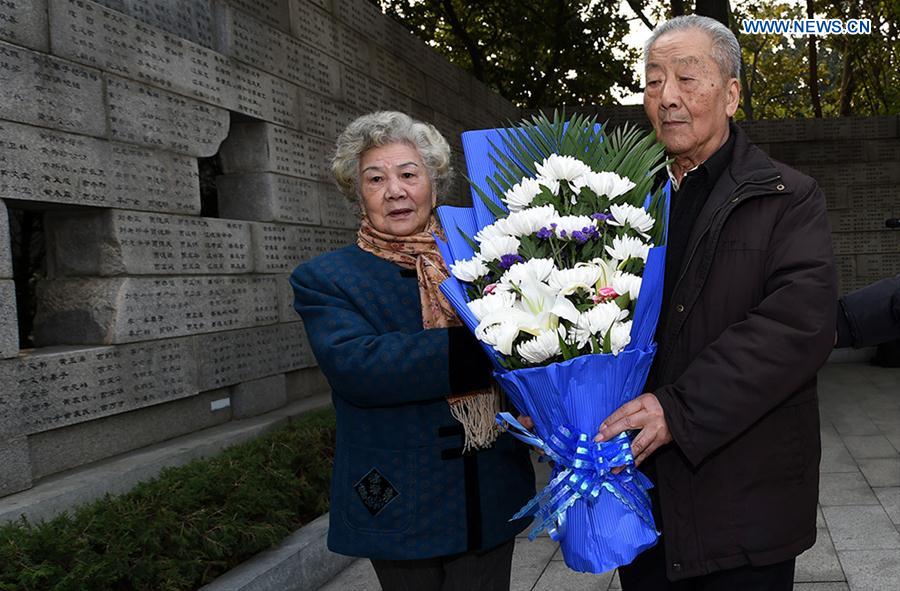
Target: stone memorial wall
[{"x": 152, "y": 320}]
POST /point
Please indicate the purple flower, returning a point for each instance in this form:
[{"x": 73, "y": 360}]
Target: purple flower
[
  {"x": 601, "y": 217},
  {"x": 562, "y": 234},
  {"x": 508, "y": 260},
  {"x": 579, "y": 237},
  {"x": 544, "y": 234}
]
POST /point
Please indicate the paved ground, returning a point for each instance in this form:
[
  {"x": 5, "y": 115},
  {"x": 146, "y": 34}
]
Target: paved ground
[{"x": 858, "y": 546}]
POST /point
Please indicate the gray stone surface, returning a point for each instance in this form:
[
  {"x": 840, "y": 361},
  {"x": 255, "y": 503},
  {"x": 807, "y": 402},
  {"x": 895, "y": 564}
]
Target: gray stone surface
[
  {"x": 286, "y": 310},
  {"x": 128, "y": 309},
  {"x": 268, "y": 197},
  {"x": 9, "y": 325},
  {"x": 870, "y": 446},
  {"x": 255, "y": 397},
  {"x": 861, "y": 528},
  {"x": 890, "y": 500},
  {"x": 845, "y": 489},
  {"x": 144, "y": 115},
  {"x": 278, "y": 248},
  {"x": 68, "y": 93},
  {"x": 362, "y": 16},
  {"x": 91, "y": 441},
  {"x": 881, "y": 471},
  {"x": 300, "y": 563},
  {"x": 117, "y": 475},
  {"x": 15, "y": 468},
  {"x": 186, "y": 19},
  {"x": 6, "y": 271},
  {"x": 871, "y": 570},
  {"x": 263, "y": 147},
  {"x": 819, "y": 563},
  {"x": 117, "y": 242},
  {"x": 305, "y": 383},
  {"x": 55, "y": 387},
  {"x": 108, "y": 40},
  {"x": 337, "y": 211},
  {"x": 56, "y": 167},
  {"x": 312, "y": 24},
  {"x": 24, "y": 22},
  {"x": 275, "y": 13},
  {"x": 324, "y": 117},
  {"x": 227, "y": 358}
]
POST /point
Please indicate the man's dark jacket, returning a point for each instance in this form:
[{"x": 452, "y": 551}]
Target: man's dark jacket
[{"x": 750, "y": 321}]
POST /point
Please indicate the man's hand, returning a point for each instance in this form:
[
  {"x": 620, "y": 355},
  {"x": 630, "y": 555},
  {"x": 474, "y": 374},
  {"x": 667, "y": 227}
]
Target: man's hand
[{"x": 644, "y": 413}]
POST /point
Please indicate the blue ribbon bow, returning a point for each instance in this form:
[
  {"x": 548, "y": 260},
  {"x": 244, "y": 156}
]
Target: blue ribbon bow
[{"x": 582, "y": 470}]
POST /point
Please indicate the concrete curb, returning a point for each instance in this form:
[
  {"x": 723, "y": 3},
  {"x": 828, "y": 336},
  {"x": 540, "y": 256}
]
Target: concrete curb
[{"x": 302, "y": 562}]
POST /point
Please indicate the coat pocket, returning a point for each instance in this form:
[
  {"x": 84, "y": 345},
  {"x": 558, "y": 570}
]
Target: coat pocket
[{"x": 378, "y": 489}]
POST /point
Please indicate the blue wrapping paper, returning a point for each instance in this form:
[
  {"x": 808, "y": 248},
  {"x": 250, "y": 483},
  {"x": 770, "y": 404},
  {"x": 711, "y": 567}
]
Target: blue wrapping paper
[{"x": 600, "y": 532}]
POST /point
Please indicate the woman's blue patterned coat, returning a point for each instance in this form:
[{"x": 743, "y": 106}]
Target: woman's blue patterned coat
[{"x": 401, "y": 488}]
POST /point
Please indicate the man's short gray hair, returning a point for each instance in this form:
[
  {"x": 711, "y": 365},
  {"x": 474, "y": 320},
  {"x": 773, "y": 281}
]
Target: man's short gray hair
[
  {"x": 388, "y": 127},
  {"x": 725, "y": 49}
]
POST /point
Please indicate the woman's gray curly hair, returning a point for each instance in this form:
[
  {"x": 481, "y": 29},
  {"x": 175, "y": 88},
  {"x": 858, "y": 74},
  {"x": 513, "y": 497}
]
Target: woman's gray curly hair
[{"x": 387, "y": 127}]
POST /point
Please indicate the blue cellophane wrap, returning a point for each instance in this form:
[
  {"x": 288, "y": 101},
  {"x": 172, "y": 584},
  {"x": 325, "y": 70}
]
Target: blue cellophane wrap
[{"x": 595, "y": 534}]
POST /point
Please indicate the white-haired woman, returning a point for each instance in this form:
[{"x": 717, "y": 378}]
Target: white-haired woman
[{"x": 423, "y": 484}]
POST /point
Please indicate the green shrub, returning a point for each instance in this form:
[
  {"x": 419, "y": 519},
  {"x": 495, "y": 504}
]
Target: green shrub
[{"x": 184, "y": 528}]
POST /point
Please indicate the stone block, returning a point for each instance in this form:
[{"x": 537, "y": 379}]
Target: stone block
[
  {"x": 268, "y": 197},
  {"x": 249, "y": 399},
  {"x": 322, "y": 116},
  {"x": 187, "y": 19},
  {"x": 141, "y": 114},
  {"x": 353, "y": 49},
  {"x": 50, "y": 166},
  {"x": 24, "y": 22},
  {"x": 129, "y": 309},
  {"x": 42, "y": 90},
  {"x": 286, "y": 310},
  {"x": 278, "y": 248},
  {"x": 305, "y": 383},
  {"x": 397, "y": 73},
  {"x": 114, "y": 42},
  {"x": 336, "y": 209},
  {"x": 275, "y": 13},
  {"x": 9, "y": 324},
  {"x": 275, "y": 52},
  {"x": 82, "y": 443},
  {"x": 263, "y": 147},
  {"x": 360, "y": 92},
  {"x": 228, "y": 358},
  {"x": 15, "y": 466},
  {"x": 6, "y": 270},
  {"x": 313, "y": 24},
  {"x": 362, "y": 16},
  {"x": 62, "y": 386},
  {"x": 118, "y": 242}
]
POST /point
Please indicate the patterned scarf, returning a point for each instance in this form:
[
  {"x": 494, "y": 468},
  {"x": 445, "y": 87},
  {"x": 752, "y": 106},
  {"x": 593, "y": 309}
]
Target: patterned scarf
[{"x": 476, "y": 409}]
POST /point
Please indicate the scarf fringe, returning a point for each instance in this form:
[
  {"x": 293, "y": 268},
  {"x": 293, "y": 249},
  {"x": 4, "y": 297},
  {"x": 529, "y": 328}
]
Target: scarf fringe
[{"x": 476, "y": 412}]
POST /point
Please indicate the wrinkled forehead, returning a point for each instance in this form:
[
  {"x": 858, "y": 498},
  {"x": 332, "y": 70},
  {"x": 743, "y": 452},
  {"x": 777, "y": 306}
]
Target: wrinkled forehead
[{"x": 689, "y": 47}]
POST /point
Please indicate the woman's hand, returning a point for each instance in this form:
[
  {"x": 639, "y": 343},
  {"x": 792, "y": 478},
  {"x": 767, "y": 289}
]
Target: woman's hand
[{"x": 526, "y": 421}]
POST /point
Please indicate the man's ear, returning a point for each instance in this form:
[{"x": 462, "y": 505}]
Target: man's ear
[{"x": 732, "y": 96}]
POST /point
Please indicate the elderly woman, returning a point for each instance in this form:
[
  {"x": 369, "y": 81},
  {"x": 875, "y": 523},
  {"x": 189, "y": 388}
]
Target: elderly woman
[{"x": 423, "y": 484}]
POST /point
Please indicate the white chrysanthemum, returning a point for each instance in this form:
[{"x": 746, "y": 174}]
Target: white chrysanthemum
[
  {"x": 521, "y": 195},
  {"x": 627, "y": 283},
  {"x": 620, "y": 336},
  {"x": 494, "y": 302},
  {"x": 632, "y": 217},
  {"x": 530, "y": 270},
  {"x": 469, "y": 269},
  {"x": 568, "y": 281},
  {"x": 527, "y": 221},
  {"x": 597, "y": 321},
  {"x": 542, "y": 347},
  {"x": 494, "y": 248},
  {"x": 604, "y": 184},
  {"x": 491, "y": 232},
  {"x": 626, "y": 247},
  {"x": 567, "y": 224},
  {"x": 562, "y": 168}
]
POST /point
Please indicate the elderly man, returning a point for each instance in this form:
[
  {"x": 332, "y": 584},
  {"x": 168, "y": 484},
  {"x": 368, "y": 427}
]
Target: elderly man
[{"x": 729, "y": 426}]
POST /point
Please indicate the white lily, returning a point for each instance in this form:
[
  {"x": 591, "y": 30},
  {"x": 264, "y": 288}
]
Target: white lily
[
  {"x": 527, "y": 221},
  {"x": 583, "y": 276},
  {"x": 493, "y": 249},
  {"x": 620, "y": 336},
  {"x": 627, "y": 283},
  {"x": 633, "y": 217},
  {"x": 597, "y": 321},
  {"x": 542, "y": 347},
  {"x": 626, "y": 247},
  {"x": 607, "y": 268},
  {"x": 605, "y": 184}
]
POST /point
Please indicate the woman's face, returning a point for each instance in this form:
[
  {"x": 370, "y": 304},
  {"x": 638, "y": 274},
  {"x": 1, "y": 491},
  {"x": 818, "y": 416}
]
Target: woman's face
[{"x": 395, "y": 189}]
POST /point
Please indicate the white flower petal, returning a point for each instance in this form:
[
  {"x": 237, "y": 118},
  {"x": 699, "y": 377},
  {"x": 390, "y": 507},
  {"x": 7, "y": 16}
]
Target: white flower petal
[
  {"x": 583, "y": 276},
  {"x": 633, "y": 217},
  {"x": 626, "y": 247},
  {"x": 567, "y": 225},
  {"x": 530, "y": 270},
  {"x": 562, "y": 168},
  {"x": 494, "y": 248},
  {"x": 470, "y": 269},
  {"x": 521, "y": 195},
  {"x": 620, "y": 336},
  {"x": 541, "y": 348},
  {"x": 606, "y": 184},
  {"x": 627, "y": 283},
  {"x": 527, "y": 221}
]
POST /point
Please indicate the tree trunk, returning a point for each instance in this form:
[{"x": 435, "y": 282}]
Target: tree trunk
[
  {"x": 847, "y": 82},
  {"x": 813, "y": 68},
  {"x": 717, "y": 9},
  {"x": 746, "y": 92}
]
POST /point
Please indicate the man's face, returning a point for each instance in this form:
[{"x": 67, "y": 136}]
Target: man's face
[{"x": 687, "y": 98}]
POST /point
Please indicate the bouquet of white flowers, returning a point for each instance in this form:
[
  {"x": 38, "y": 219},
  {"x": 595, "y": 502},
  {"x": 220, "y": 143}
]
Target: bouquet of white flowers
[{"x": 557, "y": 269}]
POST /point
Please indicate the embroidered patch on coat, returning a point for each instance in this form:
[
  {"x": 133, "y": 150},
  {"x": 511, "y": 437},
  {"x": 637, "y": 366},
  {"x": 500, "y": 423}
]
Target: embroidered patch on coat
[{"x": 375, "y": 491}]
